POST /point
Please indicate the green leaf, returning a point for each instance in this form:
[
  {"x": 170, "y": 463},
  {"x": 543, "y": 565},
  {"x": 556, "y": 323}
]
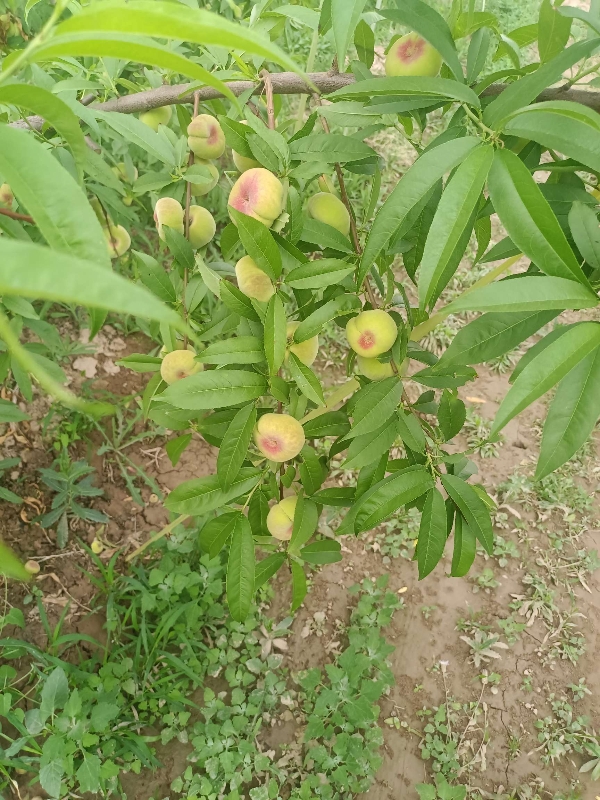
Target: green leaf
[
  {"x": 138, "y": 133},
  {"x": 586, "y": 232},
  {"x": 332, "y": 423},
  {"x": 258, "y": 243},
  {"x": 369, "y": 447},
  {"x": 376, "y": 406},
  {"x": 217, "y": 532},
  {"x": 239, "y": 350},
  {"x": 10, "y": 565},
  {"x": 432, "y": 533},
  {"x": 451, "y": 415},
  {"x": 154, "y": 277},
  {"x": 412, "y": 188},
  {"x": 329, "y": 148},
  {"x": 569, "y": 128},
  {"x": 435, "y": 88},
  {"x": 10, "y": 412},
  {"x": 51, "y": 777},
  {"x": 477, "y": 54},
  {"x": 387, "y": 496},
  {"x": 364, "y": 41},
  {"x": 306, "y": 380},
  {"x": 88, "y": 774},
  {"x": 345, "y": 15},
  {"x": 315, "y": 322},
  {"x": 572, "y": 415},
  {"x": 299, "y": 587},
  {"x": 201, "y": 495},
  {"x": 319, "y": 274},
  {"x": 266, "y": 568},
  {"x": 411, "y": 432},
  {"x": 454, "y": 212},
  {"x": 234, "y": 447},
  {"x": 324, "y": 551},
  {"x": 537, "y": 348},
  {"x": 524, "y": 91},
  {"x": 549, "y": 367},
  {"x": 473, "y": 509},
  {"x": 179, "y": 247},
  {"x": 553, "y": 31},
  {"x": 315, "y": 232},
  {"x": 240, "y": 570},
  {"x": 492, "y": 335},
  {"x": 421, "y": 17},
  {"x": 237, "y": 301},
  {"x": 52, "y": 197},
  {"x": 54, "y": 111},
  {"x": 55, "y": 693},
  {"x": 215, "y": 389},
  {"x": 30, "y": 270},
  {"x": 275, "y": 337},
  {"x": 528, "y": 294},
  {"x": 528, "y": 218},
  {"x": 465, "y": 546},
  {"x": 176, "y": 447},
  {"x": 306, "y": 518}
]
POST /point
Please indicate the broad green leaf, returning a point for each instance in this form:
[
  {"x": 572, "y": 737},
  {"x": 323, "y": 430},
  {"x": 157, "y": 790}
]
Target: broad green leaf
[
  {"x": 234, "y": 447},
  {"x": 332, "y": 423},
  {"x": 30, "y": 270},
  {"x": 376, "y": 406},
  {"x": 240, "y": 570},
  {"x": 323, "y": 551},
  {"x": 55, "y": 693},
  {"x": 52, "y": 197},
  {"x": 389, "y": 495},
  {"x": 435, "y": 88},
  {"x": 319, "y": 273},
  {"x": 569, "y": 128},
  {"x": 315, "y": 232},
  {"x": 547, "y": 369},
  {"x": 369, "y": 447},
  {"x": 528, "y": 218},
  {"x": 411, "y": 432},
  {"x": 536, "y": 349},
  {"x": 237, "y": 301},
  {"x": 11, "y": 566},
  {"x": 239, "y": 350},
  {"x": 412, "y": 188},
  {"x": 586, "y": 232},
  {"x": 201, "y": 495},
  {"x": 306, "y": 518},
  {"x": 473, "y": 509},
  {"x": 299, "y": 587},
  {"x": 421, "y": 17},
  {"x": 459, "y": 200},
  {"x": 53, "y": 110},
  {"x": 174, "y": 21},
  {"x": 465, "y": 547},
  {"x": 138, "y": 133},
  {"x": 154, "y": 277},
  {"x": 301, "y": 14},
  {"x": 553, "y": 31},
  {"x": 451, "y": 415},
  {"x": 258, "y": 243},
  {"x": 88, "y": 774},
  {"x": 312, "y": 470},
  {"x": 528, "y": 294},
  {"x": 275, "y": 337},
  {"x": 345, "y": 15},
  {"x": 572, "y": 415},
  {"x": 266, "y": 568},
  {"x": 306, "y": 380},
  {"x": 315, "y": 322},
  {"x": 524, "y": 91},
  {"x": 329, "y": 148},
  {"x": 176, "y": 447},
  {"x": 336, "y": 496},
  {"x": 51, "y": 777},
  {"x": 217, "y": 532},
  {"x": 477, "y": 54},
  {"x": 433, "y": 533},
  {"x": 215, "y": 388},
  {"x": 10, "y": 412},
  {"x": 364, "y": 41},
  {"x": 492, "y": 335}
]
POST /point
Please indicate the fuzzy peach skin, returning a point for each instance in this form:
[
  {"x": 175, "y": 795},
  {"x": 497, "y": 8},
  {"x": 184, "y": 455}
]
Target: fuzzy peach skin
[
  {"x": 371, "y": 333},
  {"x": 156, "y": 117},
  {"x": 6, "y": 196},
  {"x": 306, "y": 351},
  {"x": 373, "y": 369},
  {"x": 412, "y": 55},
  {"x": 280, "y": 519},
  {"x": 252, "y": 281},
  {"x": 205, "y": 137},
  {"x": 168, "y": 212},
  {"x": 118, "y": 240},
  {"x": 202, "y": 226},
  {"x": 326, "y": 207},
  {"x": 259, "y": 194},
  {"x": 279, "y": 437},
  {"x": 199, "y": 189},
  {"x": 179, "y": 364}
]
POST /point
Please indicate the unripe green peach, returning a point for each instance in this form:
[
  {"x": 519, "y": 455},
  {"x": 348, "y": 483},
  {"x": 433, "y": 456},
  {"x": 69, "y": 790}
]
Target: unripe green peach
[
  {"x": 202, "y": 226},
  {"x": 326, "y": 184},
  {"x": 326, "y": 207},
  {"x": 32, "y": 567},
  {"x": 169, "y": 212},
  {"x": 259, "y": 194},
  {"x": 279, "y": 437},
  {"x": 371, "y": 333},
  {"x": 280, "y": 519},
  {"x": 306, "y": 351},
  {"x": 96, "y": 547},
  {"x": 6, "y": 196},
  {"x": 121, "y": 172},
  {"x": 244, "y": 163},
  {"x": 179, "y": 364},
  {"x": 412, "y": 55},
  {"x": 205, "y": 137},
  {"x": 199, "y": 189},
  {"x": 156, "y": 117},
  {"x": 118, "y": 239},
  {"x": 373, "y": 369},
  {"x": 252, "y": 281}
]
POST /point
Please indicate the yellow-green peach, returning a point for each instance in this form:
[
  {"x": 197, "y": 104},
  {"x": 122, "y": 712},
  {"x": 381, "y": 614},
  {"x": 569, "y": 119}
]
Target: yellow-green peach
[
  {"x": 326, "y": 207},
  {"x": 6, "y": 196},
  {"x": 168, "y": 212},
  {"x": 205, "y": 137},
  {"x": 252, "y": 281},
  {"x": 259, "y": 194},
  {"x": 118, "y": 240},
  {"x": 373, "y": 369},
  {"x": 326, "y": 184},
  {"x": 244, "y": 163},
  {"x": 306, "y": 351},
  {"x": 179, "y": 364},
  {"x": 199, "y": 189},
  {"x": 371, "y": 333},
  {"x": 279, "y": 437},
  {"x": 280, "y": 519},
  {"x": 202, "y": 226},
  {"x": 156, "y": 117},
  {"x": 411, "y": 55}
]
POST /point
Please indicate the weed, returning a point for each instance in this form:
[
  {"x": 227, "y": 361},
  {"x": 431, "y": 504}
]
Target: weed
[{"x": 477, "y": 430}]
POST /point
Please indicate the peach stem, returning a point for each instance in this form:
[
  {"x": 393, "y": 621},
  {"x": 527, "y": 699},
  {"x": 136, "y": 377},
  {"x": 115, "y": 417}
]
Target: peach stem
[{"x": 188, "y": 201}]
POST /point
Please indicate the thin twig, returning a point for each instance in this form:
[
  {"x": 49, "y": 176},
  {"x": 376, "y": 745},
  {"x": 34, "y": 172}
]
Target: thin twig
[
  {"x": 15, "y": 215},
  {"x": 269, "y": 96},
  {"x": 188, "y": 202}
]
